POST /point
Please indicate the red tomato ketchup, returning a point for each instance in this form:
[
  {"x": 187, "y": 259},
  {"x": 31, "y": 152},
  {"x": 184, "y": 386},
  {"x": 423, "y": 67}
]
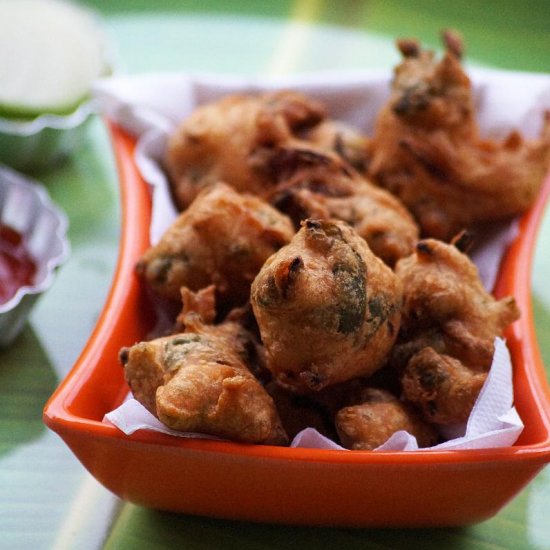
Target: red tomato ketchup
[{"x": 17, "y": 268}]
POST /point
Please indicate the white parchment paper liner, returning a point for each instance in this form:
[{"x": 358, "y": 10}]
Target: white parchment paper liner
[{"x": 151, "y": 105}]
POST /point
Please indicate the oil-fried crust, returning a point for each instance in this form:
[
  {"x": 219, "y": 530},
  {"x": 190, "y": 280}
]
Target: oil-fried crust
[
  {"x": 448, "y": 328},
  {"x": 379, "y": 414},
  {"x": 217, "y": 142},
  {"x": 198, "y": 381},
  {"x": 314, "y": 183},
  {"x": 428, "y": 151},
  {"x": 441, "y": 386},
  {"x": 327, "y": 308},
  {"x": 223, "y": 238}
]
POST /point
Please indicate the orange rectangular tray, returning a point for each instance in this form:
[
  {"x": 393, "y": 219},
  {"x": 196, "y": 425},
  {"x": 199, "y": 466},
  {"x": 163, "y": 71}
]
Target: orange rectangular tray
[{"x": 280, "y": 484}]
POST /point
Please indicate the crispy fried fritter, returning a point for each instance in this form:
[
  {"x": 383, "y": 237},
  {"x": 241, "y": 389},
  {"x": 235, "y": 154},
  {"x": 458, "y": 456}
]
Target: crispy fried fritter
[
  {"x": 427, "y": 148},
  {"x": 223, "y": 238},
  {"x": 350, "y": 144},
  {"x": 379, "y": 415},
  {"x": 314, "y": 409},
  {"x": 327, "y": 308},
  {"x": 443, "y": 387},
  {"x": 448, "y": 328},
  {"x": 313, "y": 183},
  {"x": 201, "y": 304},
  {"x": 444, "y": 298},
  {"x": 298, "y": 411},
  {"x": 219, "y": 140},
  {"x": 198, "y": 381}
]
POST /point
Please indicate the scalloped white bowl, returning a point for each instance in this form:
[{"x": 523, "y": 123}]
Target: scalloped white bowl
[{"x": 26, "y": 207}]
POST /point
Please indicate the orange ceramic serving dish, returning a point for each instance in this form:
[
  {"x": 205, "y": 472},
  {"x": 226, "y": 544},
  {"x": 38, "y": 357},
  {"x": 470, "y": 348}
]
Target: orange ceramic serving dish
[{"x": 280, "y": 484}]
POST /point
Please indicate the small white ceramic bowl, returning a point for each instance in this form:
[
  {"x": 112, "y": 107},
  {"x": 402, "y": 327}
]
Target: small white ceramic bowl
[
  {"x": 25, "y": 206},
  {"x": 57, "y": 48}
]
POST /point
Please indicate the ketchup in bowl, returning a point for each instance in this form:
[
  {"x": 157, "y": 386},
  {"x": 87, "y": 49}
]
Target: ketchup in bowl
[{"x": 17, "y": 268}]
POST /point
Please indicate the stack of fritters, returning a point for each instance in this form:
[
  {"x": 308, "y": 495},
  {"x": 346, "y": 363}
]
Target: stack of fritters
[{"x": 324, "y": 273}]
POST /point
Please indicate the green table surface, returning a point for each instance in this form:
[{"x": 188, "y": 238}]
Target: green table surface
[{"x": 47, "y": 499}]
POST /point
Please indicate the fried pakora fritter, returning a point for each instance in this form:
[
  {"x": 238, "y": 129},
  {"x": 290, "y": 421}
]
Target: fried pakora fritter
[
  {"x": 314, "y": 409},
  {"x": 449, "y": 324},
  {"x": 223, "y": 238},
  {"x": 219, "y": 141},
  {"x": 327, "y": 308},
  {"x": 441, "y": 386},
  {"x": 348, "y": 142},
  {"x": 298, "y": 411},
  {"x": 427, "y": 148},
  {"x": 378, "y": 415},
  {"x": 199, "y": 381},
  {"x": 312, "y": 183}
]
